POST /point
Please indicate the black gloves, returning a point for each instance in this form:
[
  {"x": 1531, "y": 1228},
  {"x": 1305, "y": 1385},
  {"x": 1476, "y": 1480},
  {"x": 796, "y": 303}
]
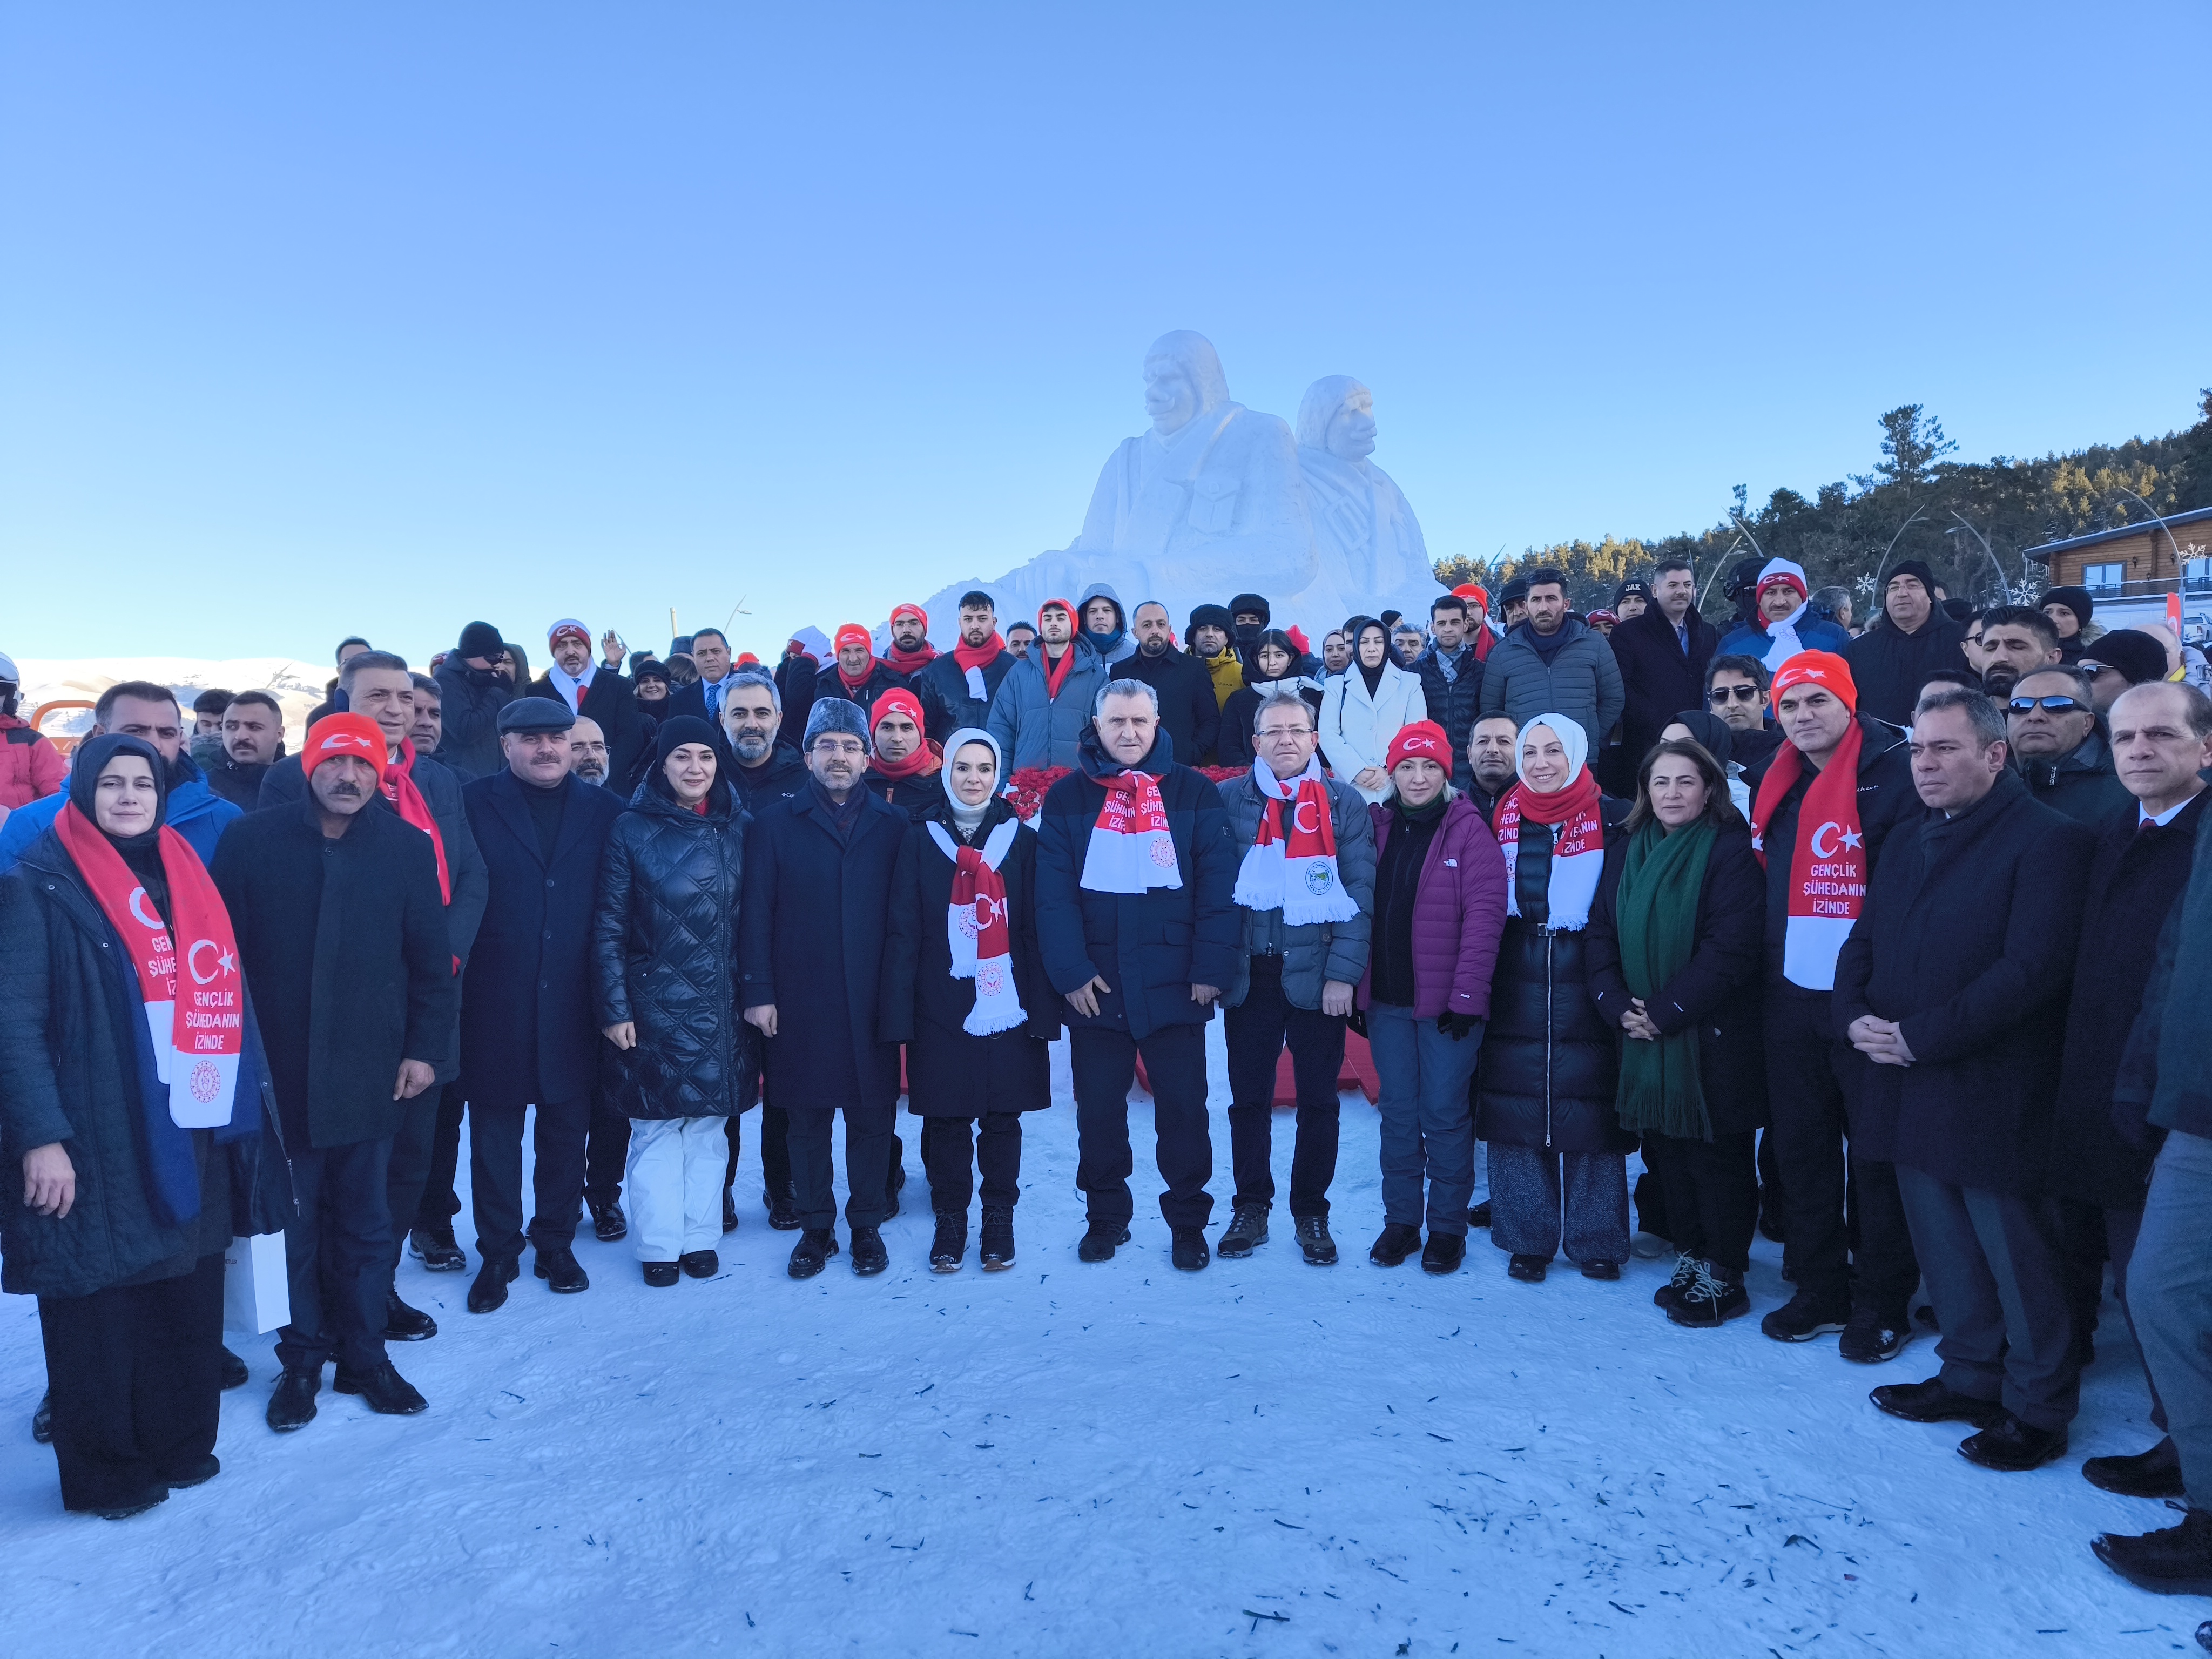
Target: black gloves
[{"x": 1456, "y": 1026}]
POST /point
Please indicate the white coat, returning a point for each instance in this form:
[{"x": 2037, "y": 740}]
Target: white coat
[{"x": 1356, "y": 727}]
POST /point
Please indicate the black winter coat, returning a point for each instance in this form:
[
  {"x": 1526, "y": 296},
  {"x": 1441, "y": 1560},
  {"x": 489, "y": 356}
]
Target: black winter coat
[
  {"x": 1190, "y": 712},
  {"x": 2166, "y": 1073},
  {"x": 1889, "y": 665},
  {"x": 1658, "y": 679},
  {"x": 917, "y": 797},
  {"x": 942, "y": 685},
  {"x": 469, "y": 702},
  {"x": 527, "y": 1032},
  {"x": 1453, "y": 704},
  {"x": 950, "y": 1073},
  {"x": 1968, "y": 937},
  {"x": 811, "y": 934},
  {"x": 612, "y": 701},
  {"x": 2082, "y": 785},
  {"x": 794, "y": 684},
  {"x": 828, "y": 683},
  {"x": 782, "y": 775},
  {"x": 664, "y": 958},
  {"x": 75, "y": 1056},
  {"x": 1149, "y": 947},
  {"x": 1550, "y": 1062},
  {"x": 1717, "y": 990},
  {"x": 2102, "y": 1149},
  {"x": 347, "y": 958},
  {"x": 1240, "y": 717}
]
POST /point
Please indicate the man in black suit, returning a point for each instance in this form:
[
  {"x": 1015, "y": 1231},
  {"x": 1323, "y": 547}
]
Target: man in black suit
[
  {"x": 710, "y": 654},
  {"x": 594, "y": 692}
]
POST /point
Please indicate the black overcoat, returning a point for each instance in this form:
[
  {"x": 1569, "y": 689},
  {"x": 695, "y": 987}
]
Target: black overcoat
[{"x": 527, "y": 1032}]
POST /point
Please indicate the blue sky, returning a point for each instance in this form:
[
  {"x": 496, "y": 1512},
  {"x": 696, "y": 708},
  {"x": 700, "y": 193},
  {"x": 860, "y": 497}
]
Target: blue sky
[{"x": 378, "y": 318}]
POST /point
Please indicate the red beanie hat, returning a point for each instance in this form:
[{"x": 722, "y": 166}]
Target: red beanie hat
[
  {"x": 914, "y": 610},
  {"x": 1049, "y": 604},
  {"x": 343, "y": 734},
  {"x": 1474, "y": 591},
  {"x": 1821, "y": 668},
  {"x": 853, "y": 633},
  {"x": 1423, "y": 739},
  {"x": 901, "y": 701},
  {"x": 1296, "y": 636}
]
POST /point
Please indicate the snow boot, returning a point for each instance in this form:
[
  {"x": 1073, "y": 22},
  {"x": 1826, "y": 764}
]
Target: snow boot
[
  {"x": 1806, "y": 1315},
  {"x": 659, "y": 1274},
  {"x": 490, "y": 1292},
  {"x": 382, "y": 1391},
  {"x": 1248, "y": 1228},
  {"x": 434, "y": 1247},
  {"x": 699, "y": 1264},
  {"x": 292, "y": 1405},
  {"x": 42, "y": 1420},
  {"x": 813, "y": 1252},
  {"x": 2011, "y": 1447},
  {"x": 1314, "y": 1240},
  {"x": 1685, "y": 1275},
  {"x": 2153, "y": 1474},
  {"x": 1102, "y": 1240},
  {"x": 869, "y": 1256},
  {"x": 1872, "y": 1338},
  {"x": 997, "y": 1248},
  {"x": 609, "y": 1224},
  {"x": 235, "y": 1374},
  {"x": 1714, "y": 1297},
  {"x": 1393, "y": 1244},
  {"x": 404, "y": 1324},
  {"x": 2172, "y": 1561},
  {"x": 782, "y": 1208},
  {"x": 950, "y": 1242},
  {"x": 1188, "y": 1249},
  {"x": 556, "y": 1265},
  {"x": 1443, "y": 1253},
  {"x": 1529, "y": 1269},
  {"x": 1933, "y": 1403}
]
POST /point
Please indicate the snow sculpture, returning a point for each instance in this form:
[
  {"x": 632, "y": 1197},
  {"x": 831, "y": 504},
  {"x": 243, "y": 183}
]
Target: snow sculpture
[{"x": 1370, "y": 554}]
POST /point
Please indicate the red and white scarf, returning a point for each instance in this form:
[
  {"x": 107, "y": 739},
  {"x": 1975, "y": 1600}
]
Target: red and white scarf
[
  {"x": 1827, "y": 864},
  {"x": 1293, "y": 869},
  {"x": 1577, "y": 856},
  {"x": 399, "y": 789},
  {"x": 198, "y": 1036},
  {"x": 1131, "y": 849},
  {"x": 973, "y": 659},
  {"x": 977, "y": 928}
]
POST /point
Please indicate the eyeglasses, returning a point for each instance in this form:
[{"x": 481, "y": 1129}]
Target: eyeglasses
[
  {"x": 1720, "y": 694},
  {"x": 2055, "y": 705}
]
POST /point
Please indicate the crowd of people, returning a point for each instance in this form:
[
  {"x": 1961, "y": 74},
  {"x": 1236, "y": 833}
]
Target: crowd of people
[{"x": 1866, "y": 938}]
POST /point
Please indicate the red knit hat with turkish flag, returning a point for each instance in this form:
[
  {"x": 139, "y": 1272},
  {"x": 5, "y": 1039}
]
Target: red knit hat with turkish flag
[
  {"x": 1422, "y": 740},
  {"x": 343, "y": 734},
  {"x": 1822, "y": 668},
  {"x": 853, "y": 634}
]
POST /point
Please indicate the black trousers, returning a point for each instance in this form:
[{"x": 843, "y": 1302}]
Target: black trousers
[
  {"x": 868, "y": 1164},
  {"x": 496, "y": 1173},
  {"x": 606, "y": 1150},
  {"x": 2089, "y": 1236},
  {"x": 1257, "y": 1029},
  {"x": 1844, "y": 1227},
  {"x": 135, "y": 1373},
  {"x": 439, "y": 1203},
  {"x": 407, "y": 1171},
  {"x": 1709, "y": 1195},
  {"x": 337, "y": 1253},
  {"x": 1104, "y": 1064},
  {"x": 774, "y": 1148},
  {"x": 954, "y": 1148}
]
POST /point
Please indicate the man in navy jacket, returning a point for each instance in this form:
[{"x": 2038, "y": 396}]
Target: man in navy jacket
[{"x": 1140, "y": 946}]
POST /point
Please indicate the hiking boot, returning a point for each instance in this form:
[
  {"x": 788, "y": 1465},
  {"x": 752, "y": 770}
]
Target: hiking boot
[
  {"x": 292, "y": 1405},
  {"x": 1189, "y": 1251},
  {"x": 869, "y": 1256},
  {"x": 2172, "y": 1561},
  {"x": 1393, "y": 1244},
  {"x": 1529, "y": 1269},
  {"x": 1101, "y": 1240},
  {"x": 660, "y": 1274},
  {"x": 1247, "y": 1228},
  {"x": 1933, "y": 1403},
  {"x": 1806, "y": 1315},
  {"x": 699, "y": 1264},
  {"x": 490, "y": 1292},
  {"x": 1443, "y": 1253},
  {"x": 782, "y": 1208},
  {"x": 609, "y": 1225},
  {"x": 382, "y": 1391},
  {"x": 1313, "y": 1238},
  {"x": 1685, "y": 1275},
  {"x": 950, "y": 1242},
  {"x": 1716, "y": 1295},
  {"x": 813, "y": 1252},
  {"x": 434, "y": 1247},
  {"x": 996, "y": 1249},
  {"x": 556, "y": 1265},
  {"x": 1871, "y": 1337},
  {"x": 404, "y": 1324},
  {"x": 2153, "y": 1474}
]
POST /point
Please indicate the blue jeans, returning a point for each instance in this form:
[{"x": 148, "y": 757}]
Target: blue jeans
[
  {"x": 1428, "y": 1125},
  {"x": 2170, "y": 1295}
]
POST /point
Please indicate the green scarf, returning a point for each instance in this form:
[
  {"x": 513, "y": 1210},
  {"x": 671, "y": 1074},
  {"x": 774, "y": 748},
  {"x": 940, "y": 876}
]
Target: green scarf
[{"x": 1655, "y": 919}]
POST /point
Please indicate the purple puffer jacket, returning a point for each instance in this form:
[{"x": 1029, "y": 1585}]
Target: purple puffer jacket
[{"x": 1459, "y": 912}]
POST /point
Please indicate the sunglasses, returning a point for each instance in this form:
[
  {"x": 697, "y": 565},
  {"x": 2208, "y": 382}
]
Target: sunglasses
[
  {"x": 2055, "y": 705},
  {"x": 1720, "y": 694}
]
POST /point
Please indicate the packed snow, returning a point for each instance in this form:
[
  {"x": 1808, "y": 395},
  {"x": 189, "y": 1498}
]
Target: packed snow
[{"x": 1265, "y": 1458}]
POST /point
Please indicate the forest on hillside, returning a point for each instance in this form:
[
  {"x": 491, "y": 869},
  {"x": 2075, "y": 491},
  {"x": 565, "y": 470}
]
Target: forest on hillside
[{"x": 1971, "y": 521}]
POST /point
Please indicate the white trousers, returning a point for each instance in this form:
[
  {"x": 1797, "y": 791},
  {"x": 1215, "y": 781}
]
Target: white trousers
[{"x": 674, "y": 1185}]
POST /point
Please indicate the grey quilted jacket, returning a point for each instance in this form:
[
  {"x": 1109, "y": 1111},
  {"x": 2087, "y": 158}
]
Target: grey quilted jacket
[{"x": 1316, "y": 951}]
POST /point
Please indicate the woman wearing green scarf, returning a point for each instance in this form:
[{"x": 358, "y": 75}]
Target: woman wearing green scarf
[{"x": 1675, "y": 942}]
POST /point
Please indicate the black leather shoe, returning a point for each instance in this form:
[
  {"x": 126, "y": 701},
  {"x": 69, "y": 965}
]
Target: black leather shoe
[
  {"x": 235, "y": 1374},
  {"x": 1529, "y": 1269},
  {"x": 1393, "y": 1244},
  {"x": 729, "y": 1210},
  {"x": 2013, "y": 1447},
  {"x": 2172, "y": 1561},
  {"x": 1188, "y": 1251},
  {"x": 1478, "y": 1215},
  {"x": 382, "y": 1391},
  {"x": 609, "y": 1224},
  {"x": 700, "y": 1264},
  {"x": 660, "y": 1274},
  {"x": 813, "y": 1252},
  {"x": 42, "y": 1420},
  {"x": 556, "y": 1265},
  {"x": 2153, "y": 1474},
  {"x": 1607, "y": 1271},
  {"x": 404, "y": 1324},
  {"x": 490, "y": 1292},
  {"x": 434, "y": 1247},
  {"x": 1932, "y": 1402},
  {"x": 1101, "y": 1240},
  {"x": 869, "y": 1256},
  {"x": 293, "y": 1405},
  {"x": 128, "y": 1507},
  {"x": 782, "y": 1208},
  {"x": 1443, "y": 1253},
  {"x": 198, "y": 1475}
]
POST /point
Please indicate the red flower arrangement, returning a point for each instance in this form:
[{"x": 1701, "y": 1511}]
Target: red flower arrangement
[{"x": 1025, "y": 789}]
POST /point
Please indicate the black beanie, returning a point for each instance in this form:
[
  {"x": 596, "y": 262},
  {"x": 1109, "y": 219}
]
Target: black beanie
[
  {"x": 1253, "y": 603},
  {"x": 2138, "y": 657},
  {"x": 481, "y": 638},
  {"x": 2075, "y": 599},
  {"x": 1917, "y": 569},
  {"x": 679, "y": 729}
]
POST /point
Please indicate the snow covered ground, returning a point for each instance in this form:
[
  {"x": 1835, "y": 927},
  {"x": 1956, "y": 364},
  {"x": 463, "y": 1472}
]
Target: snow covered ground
[{"x": 1262, "y": 1459}]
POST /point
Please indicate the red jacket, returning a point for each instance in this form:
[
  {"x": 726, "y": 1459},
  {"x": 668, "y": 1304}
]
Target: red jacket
[{"x": 31, "y": 768}]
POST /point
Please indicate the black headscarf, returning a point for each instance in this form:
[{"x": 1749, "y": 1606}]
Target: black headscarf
[
  {"x": 142, "y": 852},
  {"x": 1357, "y": 628},
  {"x": 1712, "y": 732}
]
